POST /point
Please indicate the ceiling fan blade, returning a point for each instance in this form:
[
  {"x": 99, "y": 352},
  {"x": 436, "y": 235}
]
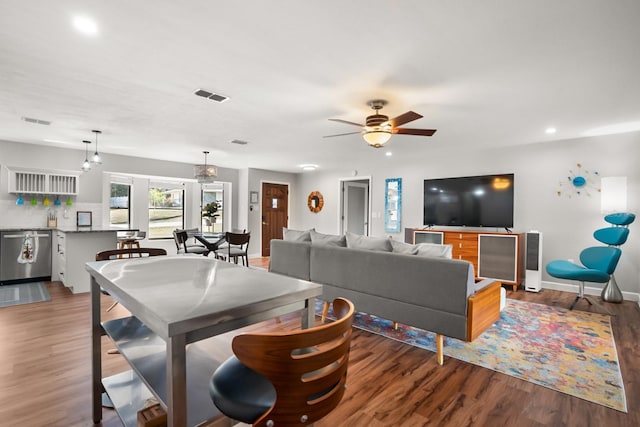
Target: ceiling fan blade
[
  {"x": 421, "y": 132},
  {"x": 347, "y": 122},
  {"x": 407, "y": 117},
  {"x": 341, "y": 134}
]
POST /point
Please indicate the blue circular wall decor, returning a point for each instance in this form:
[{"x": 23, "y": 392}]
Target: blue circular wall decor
[{"x": 580, "y": 182}]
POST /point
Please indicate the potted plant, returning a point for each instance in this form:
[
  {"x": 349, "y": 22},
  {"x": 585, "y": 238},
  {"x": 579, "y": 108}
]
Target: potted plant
[{"x": 209, "y": 211}]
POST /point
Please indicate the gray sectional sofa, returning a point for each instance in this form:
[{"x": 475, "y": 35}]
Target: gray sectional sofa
[{"x": 432, "y": 293}]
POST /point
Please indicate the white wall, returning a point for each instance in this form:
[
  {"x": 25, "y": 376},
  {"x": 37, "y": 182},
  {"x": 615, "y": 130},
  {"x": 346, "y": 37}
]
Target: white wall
[{"x": 567, "y": 223}]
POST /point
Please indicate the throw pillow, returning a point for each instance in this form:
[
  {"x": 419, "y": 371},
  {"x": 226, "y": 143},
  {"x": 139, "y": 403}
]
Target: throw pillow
[
  {"x": 403, "y": 248},
  {"x": 434, "y": 250},
  {"x": 296, "y": 235},
  {"x": 327, "y": 239},
  {"x": 365, "y": 242}
]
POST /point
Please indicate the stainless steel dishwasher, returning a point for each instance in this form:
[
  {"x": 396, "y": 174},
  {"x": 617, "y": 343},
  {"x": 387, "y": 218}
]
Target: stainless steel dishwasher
[{"x": 25, "y": 256}]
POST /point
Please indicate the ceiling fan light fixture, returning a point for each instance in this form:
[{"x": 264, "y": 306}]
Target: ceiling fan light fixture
[
  {"x": 205, "y": 174},
  {"x": 377, "y": 138}
]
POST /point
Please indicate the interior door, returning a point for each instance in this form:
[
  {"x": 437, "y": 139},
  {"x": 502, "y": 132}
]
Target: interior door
[
  {"x": 355, "y": 207},
  {"x": 275, "y": 213}
]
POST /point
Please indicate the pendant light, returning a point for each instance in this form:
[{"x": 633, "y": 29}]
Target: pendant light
[
  {"x": 96, "y": 156},
  {"x": 205, "y": 174},
  {"x": 86, "y": 166}
]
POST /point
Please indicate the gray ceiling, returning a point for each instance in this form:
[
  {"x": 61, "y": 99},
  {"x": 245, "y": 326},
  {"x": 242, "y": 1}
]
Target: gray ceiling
[{"x": 484, "y": 73}]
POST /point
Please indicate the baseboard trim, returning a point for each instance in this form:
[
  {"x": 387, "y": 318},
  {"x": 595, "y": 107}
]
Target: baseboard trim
[{"x": 589, "y": 290}]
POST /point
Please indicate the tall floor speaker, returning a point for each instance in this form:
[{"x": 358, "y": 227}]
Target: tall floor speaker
[{"x": 533, "y": 262}]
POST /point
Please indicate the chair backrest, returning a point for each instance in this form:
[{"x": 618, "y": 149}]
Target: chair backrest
[
  {"x": 181, "y": 238},
  {"x": 176, "y": 240},
  {"x": 238, "y": 239},
  {"x": 602, "y": 258},
  {"x": 614, "y": 236},
  {"x": 128, "y": 253},
  {"x": 308, "y": 368},
  {"x": 621, "y": 218}
]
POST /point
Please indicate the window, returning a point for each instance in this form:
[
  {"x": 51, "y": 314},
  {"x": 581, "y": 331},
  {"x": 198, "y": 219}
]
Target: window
[
  {"x": 212, "y": 208},
  {"x": 119, "y": 212},
  {"x": 166, "y": 209}
]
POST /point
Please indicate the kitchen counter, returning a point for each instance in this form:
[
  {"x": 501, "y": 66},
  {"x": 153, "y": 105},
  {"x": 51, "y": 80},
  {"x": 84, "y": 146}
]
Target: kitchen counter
[{"x": 76, "y": 246}]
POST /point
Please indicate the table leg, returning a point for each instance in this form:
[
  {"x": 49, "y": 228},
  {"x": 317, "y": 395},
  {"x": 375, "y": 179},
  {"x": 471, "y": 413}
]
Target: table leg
[
  {"x": 96, "y": 349},
  {"x": 309, "y": 313},
  {"x": 176, "y": 381}
]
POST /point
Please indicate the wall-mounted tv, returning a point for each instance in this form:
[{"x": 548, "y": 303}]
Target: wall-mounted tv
[{"x": 472, "y": 201}]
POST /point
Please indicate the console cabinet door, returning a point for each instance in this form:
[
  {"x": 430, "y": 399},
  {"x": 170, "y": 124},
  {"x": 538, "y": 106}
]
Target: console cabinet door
[{"x": 498, "y": 257}]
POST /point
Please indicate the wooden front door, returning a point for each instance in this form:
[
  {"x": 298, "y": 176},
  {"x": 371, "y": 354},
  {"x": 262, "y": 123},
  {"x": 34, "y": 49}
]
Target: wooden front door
[{"x": 275, "y": 213}]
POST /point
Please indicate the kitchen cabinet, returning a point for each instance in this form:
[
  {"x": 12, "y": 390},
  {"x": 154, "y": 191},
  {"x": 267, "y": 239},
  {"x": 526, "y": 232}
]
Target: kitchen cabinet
[
  {"x": 73, "y": 249},
  {"x": 31, "y": 181}
]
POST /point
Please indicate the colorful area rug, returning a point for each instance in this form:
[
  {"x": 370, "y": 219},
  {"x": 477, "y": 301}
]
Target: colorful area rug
[
  {"x": 572, "y": 352},
  {"x": 23, "y": 293}
]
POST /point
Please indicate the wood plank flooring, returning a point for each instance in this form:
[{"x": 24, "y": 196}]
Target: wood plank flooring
[{"x": 45, "y": 374}]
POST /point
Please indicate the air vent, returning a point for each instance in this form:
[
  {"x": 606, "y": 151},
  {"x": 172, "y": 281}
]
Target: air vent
[
  {"x": 36, "y": 121},
  {"x": 210, "y": 95},
  {"x": 239, "y": 142}
]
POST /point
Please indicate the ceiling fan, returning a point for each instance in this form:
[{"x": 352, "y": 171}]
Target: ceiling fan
[{"x": 378, "y": 129}]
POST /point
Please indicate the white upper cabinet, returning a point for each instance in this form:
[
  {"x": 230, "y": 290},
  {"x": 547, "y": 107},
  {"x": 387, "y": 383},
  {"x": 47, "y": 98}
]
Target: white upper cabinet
[{"x": 42, "y": 182}]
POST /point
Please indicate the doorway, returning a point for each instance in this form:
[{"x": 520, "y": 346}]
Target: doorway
[
  {"x": 275, "y": 213},
  {"x": 354, "y": 206}
]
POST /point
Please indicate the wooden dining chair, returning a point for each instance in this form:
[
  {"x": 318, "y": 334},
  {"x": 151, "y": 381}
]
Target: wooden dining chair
[
  {"x": 290, "y": 378},
  {"x": 127, "y": 253},
  {"x": 237, "y": 247},
  {"x": 183, "y": 246}
]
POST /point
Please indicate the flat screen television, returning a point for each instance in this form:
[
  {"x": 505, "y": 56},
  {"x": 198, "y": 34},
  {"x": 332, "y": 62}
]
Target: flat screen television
[{"x": 472, "y": 201}]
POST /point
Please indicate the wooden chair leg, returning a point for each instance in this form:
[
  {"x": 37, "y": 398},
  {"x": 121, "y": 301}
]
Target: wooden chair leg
[
  {"x": 440, "y": 348},
  {"x": 112, "y": 306},
  {"x": 325, "y": 311},
  {"x": 395, "y": 325}
]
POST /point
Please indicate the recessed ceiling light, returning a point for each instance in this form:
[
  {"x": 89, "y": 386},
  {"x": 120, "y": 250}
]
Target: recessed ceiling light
[
  {"x": 550, "y": 130},
  {"x": 309, "y": 167},
  {"x": 616, "y": 128},
  {"x": 388, "y": 154},
  {"x": 57, "y": 141},
  {"x": 85, "y": 25}
]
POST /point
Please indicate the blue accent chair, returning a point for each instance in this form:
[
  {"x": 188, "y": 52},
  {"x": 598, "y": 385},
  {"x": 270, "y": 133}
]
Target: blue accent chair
[{"x": 598, "y": 262}]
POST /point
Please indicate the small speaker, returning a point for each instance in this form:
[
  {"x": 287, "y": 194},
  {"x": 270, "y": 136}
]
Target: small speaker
[{"x": 533, "y": 262}]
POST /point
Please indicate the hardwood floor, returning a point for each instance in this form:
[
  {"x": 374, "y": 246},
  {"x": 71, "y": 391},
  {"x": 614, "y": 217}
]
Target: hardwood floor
[{"x": 45, "y": 374}]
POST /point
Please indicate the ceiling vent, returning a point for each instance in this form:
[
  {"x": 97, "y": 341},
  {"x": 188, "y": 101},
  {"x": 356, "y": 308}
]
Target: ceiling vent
[
  {"x": 210, "y": 95},
  {"x": 36, "y": 121},
  {"x": 239, "y": 142}
]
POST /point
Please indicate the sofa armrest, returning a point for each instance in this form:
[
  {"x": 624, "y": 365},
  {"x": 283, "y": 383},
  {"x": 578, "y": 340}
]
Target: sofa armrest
[
  {"x": 482, "y": 284},
  {"x": 483, "y": 308}
]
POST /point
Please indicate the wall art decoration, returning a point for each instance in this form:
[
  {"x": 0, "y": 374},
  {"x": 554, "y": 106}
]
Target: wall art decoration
[
  {"x": 392, "y": 205},
  {"x": 579, "y": 182}
]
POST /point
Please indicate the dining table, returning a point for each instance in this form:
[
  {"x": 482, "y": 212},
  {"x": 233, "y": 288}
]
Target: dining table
[{"x": 178, "y": 305}]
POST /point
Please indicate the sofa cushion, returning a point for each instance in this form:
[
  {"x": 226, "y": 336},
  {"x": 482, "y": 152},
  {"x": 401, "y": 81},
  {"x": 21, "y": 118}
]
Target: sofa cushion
[
  {"x": 357, "y": 241},
  {"x": 422, "y": 249},
  {"x": 290, "y": 235},
  {"x": 327, "y": 239},
  {"x": 403, "y": 248},
  {"x": 433, "y": 250}
]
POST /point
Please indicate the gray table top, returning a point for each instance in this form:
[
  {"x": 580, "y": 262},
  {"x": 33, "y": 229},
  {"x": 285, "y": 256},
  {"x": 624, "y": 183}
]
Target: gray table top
[{"x": 180, "y": 294}]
